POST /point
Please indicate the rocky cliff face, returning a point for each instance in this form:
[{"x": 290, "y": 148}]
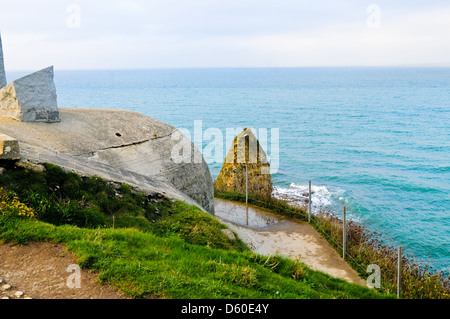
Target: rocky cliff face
[
  {"x": 118, "y": 146},
  {"x": 246, "y": 152}
]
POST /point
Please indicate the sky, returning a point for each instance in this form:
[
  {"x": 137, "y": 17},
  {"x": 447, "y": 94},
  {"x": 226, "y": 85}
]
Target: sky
[{"x": 133, "y": 34}]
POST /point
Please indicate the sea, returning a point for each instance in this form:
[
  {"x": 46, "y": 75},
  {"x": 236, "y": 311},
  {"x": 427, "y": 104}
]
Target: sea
[{"x": 373, "y": 139}]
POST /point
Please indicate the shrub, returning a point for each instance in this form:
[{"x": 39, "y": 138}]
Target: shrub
[{"x": 10, "y": 206}]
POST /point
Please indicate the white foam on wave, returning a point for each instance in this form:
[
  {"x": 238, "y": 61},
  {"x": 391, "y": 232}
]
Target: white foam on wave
[{"x": 322, "y": 196}]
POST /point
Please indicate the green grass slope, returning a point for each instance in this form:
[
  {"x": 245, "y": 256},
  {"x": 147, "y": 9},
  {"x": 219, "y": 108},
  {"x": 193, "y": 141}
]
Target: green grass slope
[{"x": 149, "y": 246}]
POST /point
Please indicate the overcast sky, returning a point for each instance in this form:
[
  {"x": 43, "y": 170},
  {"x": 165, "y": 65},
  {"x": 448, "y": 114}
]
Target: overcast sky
[{"x": 118, "y": 34}]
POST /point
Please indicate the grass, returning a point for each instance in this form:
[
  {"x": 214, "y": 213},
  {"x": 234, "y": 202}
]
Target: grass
[
  {"x": 152, "y": 247},
  {"x": 142, "y": 265},
  {"x": 363, "y": 249}
]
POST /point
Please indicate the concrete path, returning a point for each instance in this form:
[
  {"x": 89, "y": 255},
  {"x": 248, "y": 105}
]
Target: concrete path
[{"x": 270, "y": 234}]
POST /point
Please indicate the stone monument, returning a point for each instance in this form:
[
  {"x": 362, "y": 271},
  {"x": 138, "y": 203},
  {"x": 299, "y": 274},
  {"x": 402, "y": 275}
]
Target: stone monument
[
  {"x": 31, "y": 98},
  {"x": 246, "y": 153}
]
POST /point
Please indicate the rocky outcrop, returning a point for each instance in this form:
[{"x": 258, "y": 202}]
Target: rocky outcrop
[
  {"x": 246, "y": 152},
  {"x": 31, "y": 98},
  {"x": 118, "y": 146},
  {"x": 2, "y": 67}
]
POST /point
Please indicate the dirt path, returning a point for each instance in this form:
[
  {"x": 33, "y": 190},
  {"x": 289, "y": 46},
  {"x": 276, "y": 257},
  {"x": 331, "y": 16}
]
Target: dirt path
[
  {"x": 39, "y": 271},
  {"x": 270, "y": 234}
]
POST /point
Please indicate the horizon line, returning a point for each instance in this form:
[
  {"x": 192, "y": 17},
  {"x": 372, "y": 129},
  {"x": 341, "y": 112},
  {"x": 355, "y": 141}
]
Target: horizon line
[{"x": 418, "y": 65}]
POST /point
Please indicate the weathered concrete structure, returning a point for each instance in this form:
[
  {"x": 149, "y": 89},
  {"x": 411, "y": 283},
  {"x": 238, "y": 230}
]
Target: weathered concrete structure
[
  {"x": 246, "y": 152},
  {"x": 3, "y": 81},
  {"x": 118, "y": 146},
  {"x": 31, "y": 98}
]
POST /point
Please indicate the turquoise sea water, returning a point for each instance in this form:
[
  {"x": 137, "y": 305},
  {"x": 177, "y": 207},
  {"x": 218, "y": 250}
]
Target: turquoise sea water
[{"x": 374, "y": 139}]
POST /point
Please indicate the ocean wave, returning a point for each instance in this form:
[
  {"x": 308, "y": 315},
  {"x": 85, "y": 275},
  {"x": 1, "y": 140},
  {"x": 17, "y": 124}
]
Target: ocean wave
[{"x": 322, "y": 196}]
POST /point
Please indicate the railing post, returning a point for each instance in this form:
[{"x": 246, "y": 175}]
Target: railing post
[
  {"x": 310, "y": 202},
  {"x": 246, "y": 191},
  {"x": 344, "y": 244},
  {"x": 399, "y": 272},
  {"x": 246, "y": 184}
]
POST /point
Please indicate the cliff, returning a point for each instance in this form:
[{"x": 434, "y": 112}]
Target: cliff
[{"x": 246, "y": 151}]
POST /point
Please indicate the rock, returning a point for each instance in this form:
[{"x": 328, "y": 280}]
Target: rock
[
  {"x": 18, "y": 294},
  {"x": 31, "y": 98},
  {"x": 9, "y": 148},
  {"x": 5, "y": 298},
  {"x": 3, "y": 81},
  {"x": 229, "y": 234},
  {"x": 6, "y": 287},
  {"x": 246, "y": 151},
  {"x": 118, "y": 146},
  {"x": 86, "y": 142},
  {"x": 30, "y": 166}
]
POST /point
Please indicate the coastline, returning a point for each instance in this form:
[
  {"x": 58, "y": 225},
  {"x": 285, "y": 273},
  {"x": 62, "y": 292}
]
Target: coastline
[
  {"x": 364, "y": 248},
  {"x": 323, "y": 205}
]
